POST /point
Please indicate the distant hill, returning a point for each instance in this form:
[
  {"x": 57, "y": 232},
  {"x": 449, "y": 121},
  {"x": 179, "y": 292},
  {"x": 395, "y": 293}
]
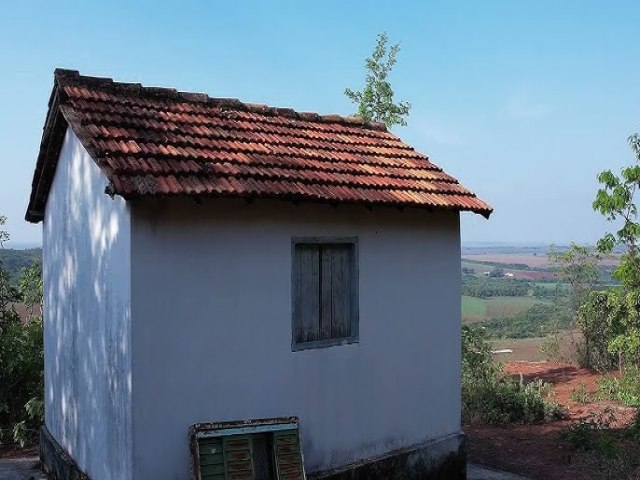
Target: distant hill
[{"x": 14, "y": 260}]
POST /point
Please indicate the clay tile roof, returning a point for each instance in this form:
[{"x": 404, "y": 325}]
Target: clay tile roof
[{"x": 153, "y": 142}]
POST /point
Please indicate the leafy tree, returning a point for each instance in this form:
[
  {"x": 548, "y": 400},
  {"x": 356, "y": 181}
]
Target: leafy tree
[
  {"x": 21, "y": 355},
  {"x": 8, "y": 293},
  {"x": 375, "y": 101},
  {"x": 599, "y": 320},
  {"x": 496, "y": 272},
  {"x": 31, "y": 288},
  {"x": 616, "y": 201},
  {"x": 619, "y": 308},
  {"x": 578, "y": 266},
  {"x": 4, "y": 236}
]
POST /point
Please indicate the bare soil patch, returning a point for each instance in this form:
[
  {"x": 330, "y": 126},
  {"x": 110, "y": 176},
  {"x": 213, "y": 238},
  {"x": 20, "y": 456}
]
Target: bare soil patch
[
  {"x": 532, "y": 261},
  {"x": 539, "y": 451}
]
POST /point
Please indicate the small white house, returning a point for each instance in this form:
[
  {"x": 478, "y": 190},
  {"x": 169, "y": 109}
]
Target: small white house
[{"x": 208, "y": 260}]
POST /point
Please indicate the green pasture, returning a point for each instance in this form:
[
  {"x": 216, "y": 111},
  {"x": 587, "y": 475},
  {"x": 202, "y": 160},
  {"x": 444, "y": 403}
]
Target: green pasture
[{"x": 482, "y": 309}]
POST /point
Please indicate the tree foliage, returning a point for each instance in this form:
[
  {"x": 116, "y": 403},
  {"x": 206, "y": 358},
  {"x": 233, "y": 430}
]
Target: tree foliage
[
  {"x": 485, "y": 287},
  {"x": 14, "y": 260},
  {"x": 533, "y": 322},
  {"x": 578, "y": 266},
  {"x": 375, "y": 101},
  {"x": 616, "y": 201},
  {"x": 21, "y": 355},
  {"x": 4, "y": 235},
  {"x": 614, "y": 314}
]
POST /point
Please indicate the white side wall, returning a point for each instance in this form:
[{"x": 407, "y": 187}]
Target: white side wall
[
  {"x": 86, "y": 248},
  {"x": 211, "y": 289}
]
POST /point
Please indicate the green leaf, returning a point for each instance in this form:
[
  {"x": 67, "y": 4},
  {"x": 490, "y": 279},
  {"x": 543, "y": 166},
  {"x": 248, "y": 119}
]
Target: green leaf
[{"x": 376, "y": 100}]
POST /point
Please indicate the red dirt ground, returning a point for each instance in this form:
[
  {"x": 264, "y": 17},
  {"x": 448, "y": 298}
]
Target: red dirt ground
[{"x": 538, "y": 451}]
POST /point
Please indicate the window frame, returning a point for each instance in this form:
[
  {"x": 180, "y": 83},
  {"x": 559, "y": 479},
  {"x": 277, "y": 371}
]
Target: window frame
[
  {"x": 355, "y": 292},
  {"x": 236, "y": 430}
]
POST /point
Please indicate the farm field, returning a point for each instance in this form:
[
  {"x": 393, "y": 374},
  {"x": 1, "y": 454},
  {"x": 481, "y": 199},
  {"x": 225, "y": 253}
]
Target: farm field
[
  {"x": 524, "y": 349},
  {"x": 481, "y": 309},
  {"x": 528, "y": 349},
  {"x": 531, "y": 260},
  {"x": 524, "y": 272}
]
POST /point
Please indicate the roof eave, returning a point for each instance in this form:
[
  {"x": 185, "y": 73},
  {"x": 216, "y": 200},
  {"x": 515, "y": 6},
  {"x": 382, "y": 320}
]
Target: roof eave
[
  {"x": 50, "y": 145},
  {"x": 111, "y": 190}
]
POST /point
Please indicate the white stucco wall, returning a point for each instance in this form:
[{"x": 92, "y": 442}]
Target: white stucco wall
[
  {"x": 211, "y": 289},
  {"x": 86, "y": 248}
]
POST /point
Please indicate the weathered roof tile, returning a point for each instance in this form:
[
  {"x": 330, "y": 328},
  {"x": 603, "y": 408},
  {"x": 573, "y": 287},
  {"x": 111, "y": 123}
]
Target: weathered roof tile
[{"x": 161, "y": 142}]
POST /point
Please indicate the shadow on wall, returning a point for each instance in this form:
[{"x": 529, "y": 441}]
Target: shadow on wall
[{"x": 87, "y": 316}]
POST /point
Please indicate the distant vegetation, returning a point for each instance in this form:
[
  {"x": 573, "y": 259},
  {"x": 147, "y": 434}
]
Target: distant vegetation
[
  {"x": 13, "y": 261},
  {"x": 514, "y": 308},
  {"x": 485, "y": 287},
  {"x": 510, "y": 266},
  {"x": 534, "y": 322},
  {"x": 527, "y": 298},
  {"x": 596, "y": 295}
]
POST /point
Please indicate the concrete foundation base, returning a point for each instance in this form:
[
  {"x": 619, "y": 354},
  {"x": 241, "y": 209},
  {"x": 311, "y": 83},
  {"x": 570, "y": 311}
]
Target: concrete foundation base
[
  {"x": 441, "y": 459},
  {"x": 56, "y": 461}
]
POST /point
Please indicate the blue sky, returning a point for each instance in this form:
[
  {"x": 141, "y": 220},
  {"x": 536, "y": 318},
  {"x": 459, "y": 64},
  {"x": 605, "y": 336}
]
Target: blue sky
[{"x": 523, "y": 101}]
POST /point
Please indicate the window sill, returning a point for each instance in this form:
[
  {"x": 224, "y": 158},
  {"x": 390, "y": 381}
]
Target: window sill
[{"x": 334, "y": 342}]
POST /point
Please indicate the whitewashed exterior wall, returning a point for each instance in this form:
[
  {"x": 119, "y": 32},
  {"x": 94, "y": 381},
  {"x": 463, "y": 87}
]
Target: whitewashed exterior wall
[
  {"x": 87, "y": 273},
  {"x": 211, "y": 335}
]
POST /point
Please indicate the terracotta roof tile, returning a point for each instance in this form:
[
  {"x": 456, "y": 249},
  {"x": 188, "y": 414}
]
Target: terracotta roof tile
[{"x": 161, "y": 142}]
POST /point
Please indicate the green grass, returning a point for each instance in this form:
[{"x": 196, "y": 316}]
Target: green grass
[
  {"x": 473, "y": 309},
  {"x": 501, "y": 307},
  {"x": 481, "y": 309}
]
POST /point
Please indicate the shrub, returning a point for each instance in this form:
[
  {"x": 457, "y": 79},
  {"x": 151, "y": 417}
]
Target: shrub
[
  {"x": 21, "y": 380},
  {"x": 592, "y": 433},
  {"x": 629, "y": 386},
  {"x": 21, "y": 359},
  {"x": 625, "y": 389},
  {"x": 551, "y": 347},
  {"x": 580, "y": 394},
  {"x": 610, "y": 452},
  {"x": 488, "y": 396}
]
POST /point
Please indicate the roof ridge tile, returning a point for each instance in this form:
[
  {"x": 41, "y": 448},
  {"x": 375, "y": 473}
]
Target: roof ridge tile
[{"x": 66, "y": 77}]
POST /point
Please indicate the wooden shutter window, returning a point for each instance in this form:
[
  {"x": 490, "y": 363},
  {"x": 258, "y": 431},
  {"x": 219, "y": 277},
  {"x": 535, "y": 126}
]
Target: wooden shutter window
[
  {"x": 337, "y": 293},
  {"x": 238, "y": 457},
  {"x": 212, "y": 466},
  {"x": 307, "y": 301},
  {"x": 268, "y": 449},
  {"x": 324, "y": 293},
  {"x": 286, "y": 447}
]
